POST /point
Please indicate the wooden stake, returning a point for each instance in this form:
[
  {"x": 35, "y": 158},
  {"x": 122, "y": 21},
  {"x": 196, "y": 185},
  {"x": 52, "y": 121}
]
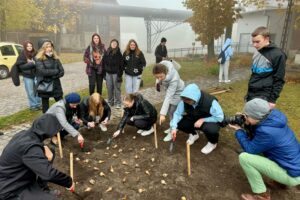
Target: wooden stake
[
  {"x": 72, "y": 168},
  {"x": 155, "y": 136},
  {"x": 188, "y": 158},
  {"x": 59, "y": 145}
]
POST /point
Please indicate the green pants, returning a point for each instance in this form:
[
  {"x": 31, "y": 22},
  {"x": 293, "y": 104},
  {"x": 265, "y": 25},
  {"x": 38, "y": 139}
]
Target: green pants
[{"x": 255, "y": 166}]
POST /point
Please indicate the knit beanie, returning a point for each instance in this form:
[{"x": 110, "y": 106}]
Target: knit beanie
[
  {"x": 257, "y": 108},
  {"x": 72, "y": 98}
]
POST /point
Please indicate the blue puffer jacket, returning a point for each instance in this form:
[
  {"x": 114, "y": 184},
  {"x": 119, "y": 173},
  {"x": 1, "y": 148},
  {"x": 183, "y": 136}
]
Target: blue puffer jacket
[{"x": 276, "y": 141}]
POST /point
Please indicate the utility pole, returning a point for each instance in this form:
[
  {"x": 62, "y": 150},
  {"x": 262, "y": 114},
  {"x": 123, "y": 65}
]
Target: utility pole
[{"x": 286, "y": 26}]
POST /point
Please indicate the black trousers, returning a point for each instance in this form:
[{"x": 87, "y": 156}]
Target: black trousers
[
  {"x": 210, "y": 129},
  {"x": 45, "y": 103},
  {"x": 95, "y": 79},
  {"x": 141, "y": 123}
]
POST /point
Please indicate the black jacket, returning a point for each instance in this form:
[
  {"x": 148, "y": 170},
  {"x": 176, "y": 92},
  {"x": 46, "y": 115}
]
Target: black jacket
[
  {"x": 50, "y": 70},
  {"x": 160, "y": 52},
  {"x": 268, "y": 71},
  {"x": 134, "y": 64},
  {"x": 23, "y": 159},
  {"x": 141, "y": 109},
  {"x": 113, "y": 62},
  {"x": 84, "y": 111},
  {"x": 27, "y": 69}
]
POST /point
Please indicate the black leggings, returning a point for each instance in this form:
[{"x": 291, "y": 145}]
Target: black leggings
[
  {"x": 210, "y": 129},
  {"x": 45, "y": 103},
  {"x": 94, "y": 79},
  {"x": 141, "y": 123}
]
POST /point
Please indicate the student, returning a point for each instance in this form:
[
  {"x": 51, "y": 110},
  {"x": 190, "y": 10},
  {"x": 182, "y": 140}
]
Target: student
[
  {"x": 26, "y": 64},
  {"x": 134, "y": 63},
  {"x": 94, "y": 65},
  {"x": 25, "y": 161},
  {"x": 66, "y": 111},
  {"x": 113, "y": 62},
  {"x": 198, "y": 111},
  {"x": 168, "y": 77},
  {"x": 268, "y": 68},
  {"x": 273, "y": 151},
  {"x": 49, "y": 70},
  {"x": 161, "y": 52},
  {"x": 224, "y": 68},
  {"x": 94, "y": 110},
  {"x": 138, "y": 112}
]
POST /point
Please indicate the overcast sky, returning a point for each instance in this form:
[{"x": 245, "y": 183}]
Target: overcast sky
[{"x": 169, "y": 4}]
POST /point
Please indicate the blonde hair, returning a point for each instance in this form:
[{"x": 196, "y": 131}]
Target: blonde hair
[
  {"x": 96, "y": 105},
  {"x": 41, "y": 53}
]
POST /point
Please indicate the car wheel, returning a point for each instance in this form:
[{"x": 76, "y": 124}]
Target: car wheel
[{"x": 3, "y": 72}]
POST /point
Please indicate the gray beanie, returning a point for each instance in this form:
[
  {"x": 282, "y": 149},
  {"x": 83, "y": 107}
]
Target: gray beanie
[{"x": 257, "y": 108}]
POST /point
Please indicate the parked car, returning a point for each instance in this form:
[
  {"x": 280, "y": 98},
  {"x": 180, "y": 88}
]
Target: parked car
[{"x": 9, "y": 53}]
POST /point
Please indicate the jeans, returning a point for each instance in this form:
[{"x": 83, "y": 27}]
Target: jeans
[
  {"x": 224, "y": 68},
  {"x": 113, "y": 89},
  {"x": 45, "y": 103},
  {"x": 94, "y": 79},
  {"x": 132, "y": 83},
  {"x": 33, "y": 99}
]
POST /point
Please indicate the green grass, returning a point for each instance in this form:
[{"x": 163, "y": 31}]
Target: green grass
[{"x": 70, "y": 57}]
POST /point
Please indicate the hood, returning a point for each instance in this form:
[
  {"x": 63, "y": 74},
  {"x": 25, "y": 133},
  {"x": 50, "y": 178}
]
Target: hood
[
  {"x": 191, "y": 91},
  {"x": 46, "y": 126},
  {"x": 171, "y": 69},
  {"x": 275, "y": 119},
  {"x": 228, "y": 41}
]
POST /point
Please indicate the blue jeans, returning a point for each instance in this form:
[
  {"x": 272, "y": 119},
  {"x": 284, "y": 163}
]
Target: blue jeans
[
  {"x": 34, "y": 100},
  {"x": 132, "y": 83}
]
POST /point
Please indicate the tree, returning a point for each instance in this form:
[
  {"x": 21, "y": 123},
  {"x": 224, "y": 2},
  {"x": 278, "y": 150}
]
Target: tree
[{"x": 210, "y": 18}]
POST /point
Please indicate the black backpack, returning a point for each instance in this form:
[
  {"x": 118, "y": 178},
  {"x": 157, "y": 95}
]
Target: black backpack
[
  {"x": 222, "y": 58},
  {"x": 15, "y": 72}
]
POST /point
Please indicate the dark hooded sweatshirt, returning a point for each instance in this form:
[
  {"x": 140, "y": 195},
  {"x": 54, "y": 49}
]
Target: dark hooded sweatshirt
[{"x": 23, "y": 159}]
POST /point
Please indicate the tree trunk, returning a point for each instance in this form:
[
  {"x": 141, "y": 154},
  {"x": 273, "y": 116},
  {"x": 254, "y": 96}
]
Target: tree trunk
[
  {"x": 210, "y": 49},
  {"x": 228, "y": 31}
]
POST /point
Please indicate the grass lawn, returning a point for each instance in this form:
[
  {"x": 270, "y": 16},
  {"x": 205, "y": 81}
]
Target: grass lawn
[{"x": 70, "y": 57}]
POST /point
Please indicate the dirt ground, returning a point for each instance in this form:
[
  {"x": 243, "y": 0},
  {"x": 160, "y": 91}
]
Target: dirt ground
[{"x": 134, "y": 170}]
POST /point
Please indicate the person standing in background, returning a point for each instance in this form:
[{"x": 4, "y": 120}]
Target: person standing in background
[
  {"x": 94, "y": 66},
  {"x": 224, "y": 67},
  {"x": 161, "y": 52}
]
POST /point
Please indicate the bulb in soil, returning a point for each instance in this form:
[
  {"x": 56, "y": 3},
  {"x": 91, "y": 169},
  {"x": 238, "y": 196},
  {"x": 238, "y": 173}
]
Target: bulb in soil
[
  {"x": 115, "y": 146},
  {"x": 86, "y": 161},
  {"x": 143, "y": 149},
  {"x": 127, "y": 172},
  {"x": 141, "y": 190},
  {"x": 107, "y": 148},
  {"x": 106, "y": 153},
  {"x": 108, "y": 189},
  {"x": 124, "y": 162},
  {"x": 114, "y": 155},
  {"x": 87, "y": 153},
  {"x": 137, "y": 165},
  {"x": 136, "y": 156},
  {"x": 101, "y": 161},
  {"x": 120, "y": 151},
  {"x": 152, "y": 159},
  {"x": 112, "y": 169},
  {"x": 88, "y": 189},
  {"x": 147, "y": 172},
  {"x": 92, "y": 181},
  {"x": 96, "y": 168},
  {"x": 183, "y": 198},
  {"x": 163, "y": 182},
  {"x": 134, "y": 137},
  {"x": 165, "y": 175},
  {"x": 124, "y": 180},
  {"x": 101, "y": 174},
  {"x": 77, "y": 159}
]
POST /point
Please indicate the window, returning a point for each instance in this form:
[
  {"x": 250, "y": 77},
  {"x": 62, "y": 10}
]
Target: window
[
  {"x": 19, "y": 49},
  {"x": 7, "y": 50}
]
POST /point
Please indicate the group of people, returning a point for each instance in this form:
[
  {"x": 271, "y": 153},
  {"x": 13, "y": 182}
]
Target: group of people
[{"x": 271, "y": 149}]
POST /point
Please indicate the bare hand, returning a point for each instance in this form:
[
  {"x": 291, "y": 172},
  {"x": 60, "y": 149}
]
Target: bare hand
[
  {"x": 272, "y": 105},
  {"x": 199, "y": 123},
  {"x": 131, "y": 119},
  {"x": 116, "y": 133},
  {"x": 91, "y": 124},
  {"x": 48, "y": 153},
  {"x": 173, "y": 132},
  {"x": 105, "y": 121},
  {"x": 72, "y": 188},
  {"x": 80, "y": 139},
  {"x": 235, "y": 127},
  {"x": 162, "y": 119}
]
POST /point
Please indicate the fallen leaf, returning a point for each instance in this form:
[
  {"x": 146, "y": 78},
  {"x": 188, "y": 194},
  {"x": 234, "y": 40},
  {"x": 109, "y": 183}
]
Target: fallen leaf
[
  {"x": 108, "y": 189},
  {"x": 92, "y": 181}
]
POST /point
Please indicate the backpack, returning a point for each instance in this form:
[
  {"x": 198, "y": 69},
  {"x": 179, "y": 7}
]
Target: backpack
[
  {"x": 14, "y": 72},
  {"x": 222, "y": 58}
]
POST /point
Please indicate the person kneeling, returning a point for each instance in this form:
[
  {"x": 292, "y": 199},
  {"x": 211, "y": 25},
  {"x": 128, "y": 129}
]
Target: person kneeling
[
  {"x": 198, "y": 111},
  {"x": 138, "y": 112},
  {"x": 95, "y": 110},
  {"x": 272, "y": 151},
  {"x": 26, "y": 164}
]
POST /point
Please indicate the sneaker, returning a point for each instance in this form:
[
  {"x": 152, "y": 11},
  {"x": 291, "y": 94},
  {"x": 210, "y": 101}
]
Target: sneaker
[
  {"x": 227, "y": 81},
  {"x": 102, "y": 127},
  {"x": 209, "y": 147},
  {"x": 221, "y": 81},
  {"x": 192, "y": 138},
  {"x": 147, "y": 132},
  {"x": 168, "y": 138},
  {"x": 118, "y": 106},
  {"x": 261, "y": 196},
  {"x": 140, "y": 131},
  {"x": 167, "y": 131}
]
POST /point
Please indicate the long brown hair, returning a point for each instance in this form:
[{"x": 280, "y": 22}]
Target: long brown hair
[
  {"x": 28, "y": 54},
  {"x": 96, "y": 105},
  {"x": 41, "y": 53},
  {"x": 137, "y": 51}
]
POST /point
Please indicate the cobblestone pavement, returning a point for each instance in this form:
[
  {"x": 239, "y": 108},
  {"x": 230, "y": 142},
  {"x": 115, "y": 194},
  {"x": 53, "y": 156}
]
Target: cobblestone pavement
[{"x": 149, "y": 93}]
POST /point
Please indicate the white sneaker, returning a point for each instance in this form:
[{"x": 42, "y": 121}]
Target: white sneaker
[
  {"x": 192, "y": 138},
  {"x": 148, "y": 132},
  {"x": 209, "y": 147},
  {"x": 167, "y": 131},
  {"x": 221, "y": 81},
  {"x": 118, "y": 106},
  {"x": 168, "y": 138},
  {"x": 102, "y": 127},
  {"x": 227, "y": 81},
  {"x": 140, "y": 131}
]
